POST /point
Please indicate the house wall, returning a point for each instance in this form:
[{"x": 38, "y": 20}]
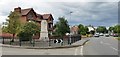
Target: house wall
[{"x": 23, "y": 19}]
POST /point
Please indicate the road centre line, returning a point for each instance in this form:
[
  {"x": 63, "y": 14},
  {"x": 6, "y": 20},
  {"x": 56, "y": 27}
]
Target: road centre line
[{"x": 104, "y": 43}]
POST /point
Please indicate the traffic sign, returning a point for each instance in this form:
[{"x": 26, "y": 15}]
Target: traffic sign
[
  {"x": 55, "y": 41},
  {"x": 58, "y": 41}
]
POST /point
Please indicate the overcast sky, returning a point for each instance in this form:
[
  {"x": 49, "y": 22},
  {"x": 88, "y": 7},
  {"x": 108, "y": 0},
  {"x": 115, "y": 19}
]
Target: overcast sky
[{"x": 89, "y": 12}]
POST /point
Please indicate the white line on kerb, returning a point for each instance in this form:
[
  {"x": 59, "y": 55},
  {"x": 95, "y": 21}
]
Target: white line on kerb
[
  {"x": 79, "y": 51},
  {"x": 76, "y": 51}
]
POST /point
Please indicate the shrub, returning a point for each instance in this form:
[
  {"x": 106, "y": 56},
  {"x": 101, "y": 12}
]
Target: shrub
[{"x": 24, "y": 36}]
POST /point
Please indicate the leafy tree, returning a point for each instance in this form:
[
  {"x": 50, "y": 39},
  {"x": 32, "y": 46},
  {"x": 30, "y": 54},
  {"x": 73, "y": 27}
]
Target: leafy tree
[
  {"x": 62, "y": 27},
  {"x": 13, "y": 24},
  {"x": 4, "y": 29},
  {"x": 101, "y": 29},
  {"x": 111, "y": 28},
  {"x": 86, "y": 29},
  {"x": 116, "y": 29},
  {"x": 28, "y": 30},
  {"x": 82, "y": 29}
]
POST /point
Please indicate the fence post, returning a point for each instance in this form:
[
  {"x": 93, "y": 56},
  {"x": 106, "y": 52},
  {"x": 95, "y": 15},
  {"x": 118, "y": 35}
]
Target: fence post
[
  {"x": 20, "y": 42},
  {"x": 3, "y": 40},
  {"x": 49, "y": 42},
  {"x": 10, "y": 41},
  {"x": 33, "y": 42}
]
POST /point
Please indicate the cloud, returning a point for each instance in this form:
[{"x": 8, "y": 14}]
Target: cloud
[{"x": 94, "y": 13}]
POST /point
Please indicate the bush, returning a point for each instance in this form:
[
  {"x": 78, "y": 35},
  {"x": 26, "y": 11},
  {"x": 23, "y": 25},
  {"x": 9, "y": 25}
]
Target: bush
[
  {"x": 83, "y": 33},
  {"x": 28, "y": 30},
  {"x": 24, "y": 36}
]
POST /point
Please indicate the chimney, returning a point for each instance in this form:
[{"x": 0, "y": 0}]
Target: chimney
[{"x": 17, "y": 9}]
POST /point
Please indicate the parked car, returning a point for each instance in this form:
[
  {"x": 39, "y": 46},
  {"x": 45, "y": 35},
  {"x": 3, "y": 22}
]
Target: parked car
[
  {"x": 101, "y": 34},
  {"x": 111, "y": 34},
  {"x": 96, "y": 35},
  {"x": 115, "y": 35},
  {"x": 107, "y": 35}
]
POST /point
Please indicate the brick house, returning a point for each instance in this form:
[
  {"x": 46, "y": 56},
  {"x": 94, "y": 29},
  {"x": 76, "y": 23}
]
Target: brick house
[
  {"x": 30, "y": 15},
  {"x": 74, "y": 30}
]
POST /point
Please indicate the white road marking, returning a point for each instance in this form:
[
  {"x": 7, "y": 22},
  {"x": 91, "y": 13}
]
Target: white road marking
[
  {"x": 81, "y": 50},
  {"x": 104, "y": 43},
  {"x": 114, "y": 48},
  {"x": 109, "y": 45},
  {"x": 77, "y": 50}
]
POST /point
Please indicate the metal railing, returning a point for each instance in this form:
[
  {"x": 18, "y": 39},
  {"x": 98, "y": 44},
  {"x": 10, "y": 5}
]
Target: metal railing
[{"x": 38, "y": 43}]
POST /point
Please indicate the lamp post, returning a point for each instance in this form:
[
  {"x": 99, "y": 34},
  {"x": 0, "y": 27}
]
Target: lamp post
[
  {"x": 70, "y": 31},
  {"x": 70, "y": 14}
]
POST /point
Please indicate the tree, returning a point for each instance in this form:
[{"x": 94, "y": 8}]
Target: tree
[
  {"x": 28, "y": 30},
  {"x": 13, "y": 24},
  {"x": 101, "y": 29},
  {"x": 116, "y": 29},
  {"x": 62, "y": 27},
  {"x": 82, "y": 29},
  {"x": 111, "y": 29},
  {"x": 86, "y": 29}
]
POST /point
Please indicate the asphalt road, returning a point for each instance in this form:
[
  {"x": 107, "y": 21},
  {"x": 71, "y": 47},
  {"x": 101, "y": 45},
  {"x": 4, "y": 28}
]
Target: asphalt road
[
  {"x": 96, "y": 46},
  {"x": 101, "y": 46}
]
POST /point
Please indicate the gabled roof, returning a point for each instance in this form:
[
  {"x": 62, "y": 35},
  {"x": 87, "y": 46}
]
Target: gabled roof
[
  {"x": 25, "y": 11},
  {"x": 46, "y": 16},
  {"x": 39, "y": 16}
]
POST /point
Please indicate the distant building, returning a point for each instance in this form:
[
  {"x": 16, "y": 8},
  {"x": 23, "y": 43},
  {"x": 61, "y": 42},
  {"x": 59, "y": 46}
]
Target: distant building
[
  {"x": 91, "y": 29},
  {"x": 74, "y": 29}
]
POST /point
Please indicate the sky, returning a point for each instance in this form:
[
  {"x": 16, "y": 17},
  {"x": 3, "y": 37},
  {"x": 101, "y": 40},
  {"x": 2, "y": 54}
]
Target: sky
[{"x": 86, "y": 12}]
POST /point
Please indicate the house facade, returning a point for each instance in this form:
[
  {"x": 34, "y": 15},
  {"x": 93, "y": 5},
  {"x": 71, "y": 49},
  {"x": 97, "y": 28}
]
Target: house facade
[
  {"x": 30, "y": 15},
  {"x": 74, "y": 30}
]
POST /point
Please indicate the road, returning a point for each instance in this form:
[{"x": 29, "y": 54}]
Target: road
[
  {"x": 96, "y": 46},
  {"x": 101, "y": 46}
]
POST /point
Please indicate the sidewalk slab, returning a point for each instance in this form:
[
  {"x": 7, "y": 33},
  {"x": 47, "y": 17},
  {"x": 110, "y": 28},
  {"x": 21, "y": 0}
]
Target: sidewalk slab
[
  {"x": 76, "y": 44},
  {"x": 81, "y": 42}
]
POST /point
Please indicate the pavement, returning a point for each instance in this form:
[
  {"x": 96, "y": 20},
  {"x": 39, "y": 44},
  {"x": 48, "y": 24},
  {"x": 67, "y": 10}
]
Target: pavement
[
  {"x": 61, "y": 50},
  {"x": 76, "y": 44},
  {"x": 95, "y": 46}
]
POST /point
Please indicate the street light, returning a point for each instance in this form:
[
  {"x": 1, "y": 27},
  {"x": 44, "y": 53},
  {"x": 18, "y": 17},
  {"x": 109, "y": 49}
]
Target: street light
[
  {"x": 70, "y": 31},
  {"x": 70, "y": 14}
]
